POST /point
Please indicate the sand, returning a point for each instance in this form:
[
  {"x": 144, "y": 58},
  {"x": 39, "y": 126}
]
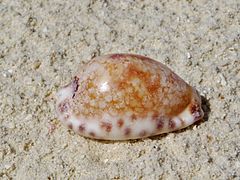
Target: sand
[{"x": 42, "y": 43}]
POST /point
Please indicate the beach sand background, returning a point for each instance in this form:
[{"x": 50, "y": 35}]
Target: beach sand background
[{"x": 43, "y": 42}]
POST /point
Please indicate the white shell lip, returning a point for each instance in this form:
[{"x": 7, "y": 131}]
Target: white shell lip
[{"x": 64, "y": 93}]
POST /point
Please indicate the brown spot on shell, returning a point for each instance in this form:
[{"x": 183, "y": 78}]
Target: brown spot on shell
[
  {"x": 159, "y": 120},
  {"x": 92, "y": 134},
  {"x": 127, "y": 131},
  {"x": 195, "y": 111},
  {"x": 120, "y": 123},
  {"x": 171, "y": 124},
  {"x": 106, "y": 126},
  {"x": 160, "y": 123},
  {"x": 81, "y": 128},
  {"x": 194, "y": 107}
]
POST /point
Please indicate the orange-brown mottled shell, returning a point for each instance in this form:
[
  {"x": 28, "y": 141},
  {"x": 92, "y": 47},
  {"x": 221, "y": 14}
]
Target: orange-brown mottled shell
[{"x": 126, "y": 96}]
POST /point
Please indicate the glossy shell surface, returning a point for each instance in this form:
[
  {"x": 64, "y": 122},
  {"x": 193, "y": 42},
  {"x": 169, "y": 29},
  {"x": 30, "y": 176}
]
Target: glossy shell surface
[{"x": 126, "y": 96}]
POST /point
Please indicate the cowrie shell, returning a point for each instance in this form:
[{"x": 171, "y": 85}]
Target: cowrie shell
[{"x": 127, "y": 96}]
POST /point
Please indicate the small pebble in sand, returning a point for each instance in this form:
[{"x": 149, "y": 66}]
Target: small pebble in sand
[{"x": 126, "y": 96}]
